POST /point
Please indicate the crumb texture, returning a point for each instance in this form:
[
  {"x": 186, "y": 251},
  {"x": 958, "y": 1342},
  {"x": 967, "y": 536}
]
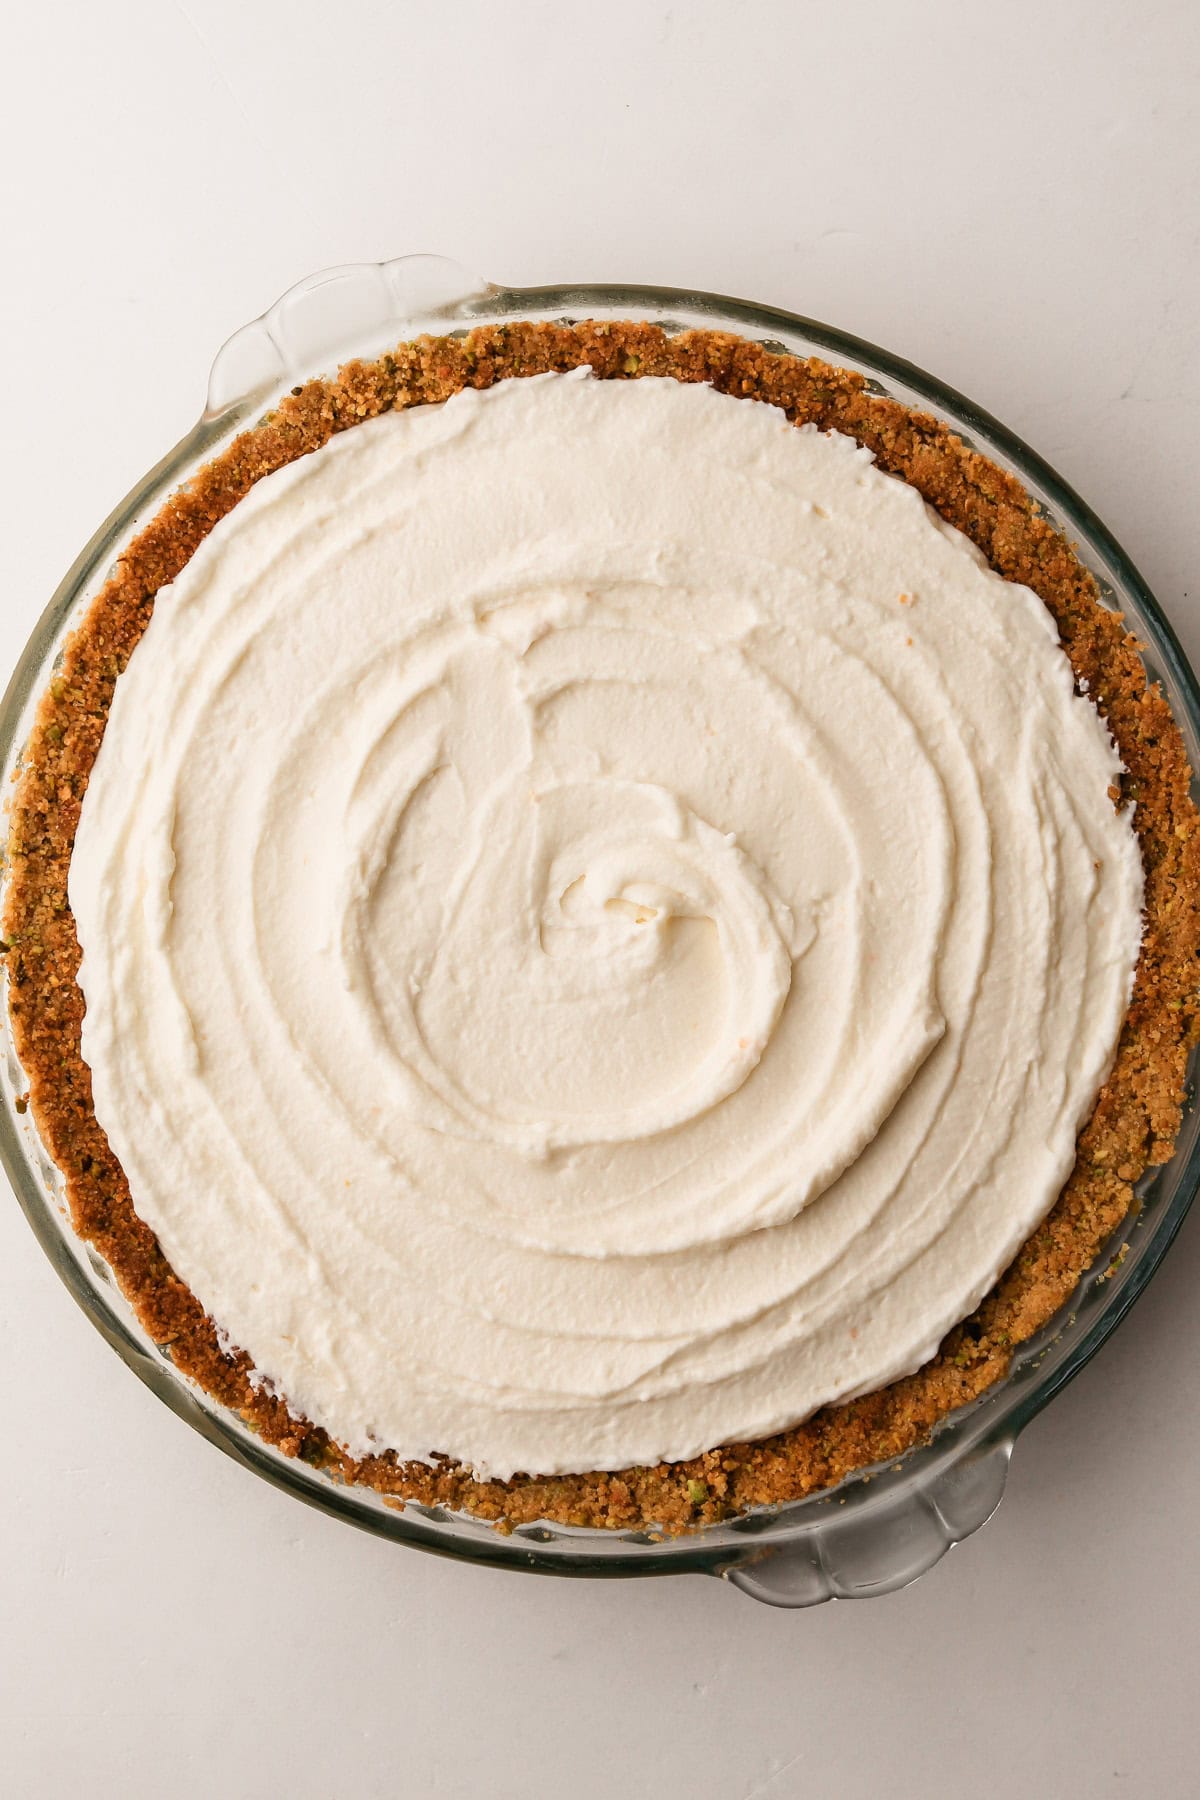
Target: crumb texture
[{"x": 1132, "y": 1127}]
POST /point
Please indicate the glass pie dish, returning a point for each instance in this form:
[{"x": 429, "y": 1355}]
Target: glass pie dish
[{"x": 884, "y": 1526}]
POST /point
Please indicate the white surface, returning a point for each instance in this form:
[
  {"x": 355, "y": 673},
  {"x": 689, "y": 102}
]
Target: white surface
[{"x": 1004, "y": 195}]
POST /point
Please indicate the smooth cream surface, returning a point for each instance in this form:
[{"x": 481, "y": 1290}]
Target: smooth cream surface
[{"x": 602, "y": 918}]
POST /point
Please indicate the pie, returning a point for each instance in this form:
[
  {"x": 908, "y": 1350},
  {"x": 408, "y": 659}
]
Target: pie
[{"x": 647, "y": 935}]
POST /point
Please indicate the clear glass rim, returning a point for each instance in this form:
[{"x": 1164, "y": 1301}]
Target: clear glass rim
[{"x": 1040, "y": 1369}]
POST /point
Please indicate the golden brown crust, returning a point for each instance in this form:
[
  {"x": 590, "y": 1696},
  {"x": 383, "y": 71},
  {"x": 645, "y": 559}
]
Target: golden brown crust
[{"x": 1136, "y": 1117}]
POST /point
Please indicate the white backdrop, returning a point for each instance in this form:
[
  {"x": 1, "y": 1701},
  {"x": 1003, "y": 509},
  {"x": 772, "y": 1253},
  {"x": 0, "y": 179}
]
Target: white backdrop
[{"x": 1006, "y": 195}]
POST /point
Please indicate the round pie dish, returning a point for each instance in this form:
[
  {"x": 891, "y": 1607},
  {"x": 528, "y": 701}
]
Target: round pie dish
[{"x": 887, "y": 1523}]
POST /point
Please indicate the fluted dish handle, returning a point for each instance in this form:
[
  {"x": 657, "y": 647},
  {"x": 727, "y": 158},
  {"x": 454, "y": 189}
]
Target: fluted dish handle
[
  {"x": 359, "y": 309},
  {"x": 872, "y": 1550}
]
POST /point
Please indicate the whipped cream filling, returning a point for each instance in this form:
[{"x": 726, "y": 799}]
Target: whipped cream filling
[{"x": 601, "y": 920}]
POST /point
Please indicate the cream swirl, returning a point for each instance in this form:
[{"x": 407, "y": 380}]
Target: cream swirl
[{"x": 601, "y": 921}]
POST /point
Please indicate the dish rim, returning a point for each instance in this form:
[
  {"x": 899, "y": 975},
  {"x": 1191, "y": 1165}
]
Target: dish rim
[{"x": 870, "y": 1533}]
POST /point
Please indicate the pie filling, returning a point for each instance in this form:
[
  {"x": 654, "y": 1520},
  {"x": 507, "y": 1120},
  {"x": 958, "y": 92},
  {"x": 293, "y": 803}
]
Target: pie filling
[{"x": 602, "y": 918}]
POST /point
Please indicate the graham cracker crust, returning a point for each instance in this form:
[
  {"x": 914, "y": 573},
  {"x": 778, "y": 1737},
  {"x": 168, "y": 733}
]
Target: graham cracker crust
[{"x": 1136, "y": 1117}]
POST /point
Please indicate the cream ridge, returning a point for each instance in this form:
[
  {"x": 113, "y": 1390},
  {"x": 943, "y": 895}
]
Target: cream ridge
[{"x": 601, "y": 919}]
